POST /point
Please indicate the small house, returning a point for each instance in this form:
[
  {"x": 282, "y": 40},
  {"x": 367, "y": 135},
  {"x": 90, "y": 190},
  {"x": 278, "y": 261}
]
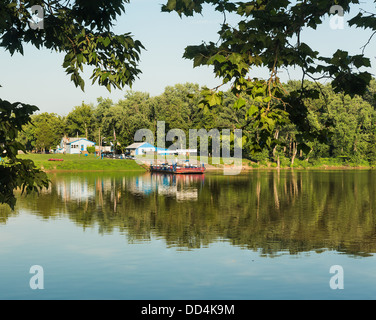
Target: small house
[
  {"x": 74, "y": 145},
  {"x": 139, "y": 148}
]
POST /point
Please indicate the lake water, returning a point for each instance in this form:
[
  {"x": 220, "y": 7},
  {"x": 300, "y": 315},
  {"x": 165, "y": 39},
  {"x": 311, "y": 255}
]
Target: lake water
[{"x": 260, "y": 235}]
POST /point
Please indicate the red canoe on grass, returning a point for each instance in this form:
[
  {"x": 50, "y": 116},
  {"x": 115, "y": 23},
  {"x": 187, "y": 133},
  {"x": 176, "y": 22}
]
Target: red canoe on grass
[{"x": 55, "y": 160}]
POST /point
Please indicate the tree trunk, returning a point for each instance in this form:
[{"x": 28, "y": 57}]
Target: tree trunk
[
  {"x": 308, "y": 155},
  {"x": 276, "y": 198},
  {"x": 294, "y": 152},
  {"x": 275, "y": 137}
]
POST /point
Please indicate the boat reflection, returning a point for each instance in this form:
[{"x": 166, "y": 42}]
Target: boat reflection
[
  {"x": 75, "y": 190},
  {"x": 181, "y": 187}
]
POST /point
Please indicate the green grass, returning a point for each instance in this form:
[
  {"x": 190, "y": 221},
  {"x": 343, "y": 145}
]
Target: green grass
[
  {"x": 81, "y": 163},
  {"x": 340, "y": 162},
  {"x": 93, "y": 163},
  {"x": 215, "y": 161}
]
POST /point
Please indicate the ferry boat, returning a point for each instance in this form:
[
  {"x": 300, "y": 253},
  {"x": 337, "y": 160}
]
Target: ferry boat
[{"x": 178, "y": 169}]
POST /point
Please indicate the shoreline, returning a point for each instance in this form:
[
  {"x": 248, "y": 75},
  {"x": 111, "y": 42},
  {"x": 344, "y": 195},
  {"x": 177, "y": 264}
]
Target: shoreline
[
  {"x": 79, "y": 164},
  {"x": 324, "y": 167},
  {"x": 90, "y": 170},
  {"x": 213, "y": 169}
]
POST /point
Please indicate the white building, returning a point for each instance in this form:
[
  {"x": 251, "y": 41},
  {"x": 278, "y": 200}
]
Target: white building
[
  {"x": 139, "y": 148},
  {"x": 74, "y": 145}
]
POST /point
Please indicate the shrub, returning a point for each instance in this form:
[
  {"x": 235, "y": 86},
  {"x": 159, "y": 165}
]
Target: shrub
[
  {"x": 261, "y": 157},
  {"x": 91, "y": 149}
]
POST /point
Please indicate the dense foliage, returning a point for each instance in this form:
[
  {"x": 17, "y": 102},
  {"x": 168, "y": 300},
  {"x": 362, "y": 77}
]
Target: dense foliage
[
  {"x": 270, "y": 34},
  {"x": 14, "y": 172},
  {"x": 83, "y": 31}
]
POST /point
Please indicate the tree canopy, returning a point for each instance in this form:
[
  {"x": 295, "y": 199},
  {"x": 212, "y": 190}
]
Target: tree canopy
[
  {"x": 269, "y": 35},
  {"x": 81, "y": 29}
]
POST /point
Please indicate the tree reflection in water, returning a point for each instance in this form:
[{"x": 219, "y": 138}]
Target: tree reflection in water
[{"x": 274, "y": 212}]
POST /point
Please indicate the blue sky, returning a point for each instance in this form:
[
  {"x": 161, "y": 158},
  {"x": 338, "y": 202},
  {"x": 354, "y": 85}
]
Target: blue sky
[{"x": 38, "y": 78}]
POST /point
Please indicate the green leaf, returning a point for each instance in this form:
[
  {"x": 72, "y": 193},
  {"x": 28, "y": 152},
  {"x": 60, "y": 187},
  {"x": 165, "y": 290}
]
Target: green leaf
[
  {"x": 240, "y": 103},
  {"x": 252, "y": 110},
  {"x": 106, "y": 41}
]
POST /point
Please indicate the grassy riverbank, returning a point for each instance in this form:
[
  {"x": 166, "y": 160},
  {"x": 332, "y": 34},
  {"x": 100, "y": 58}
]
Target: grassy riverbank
[
  {"x": 80, "y": 163},
  {"x": 93, "y": 163},
  {"x": 322, "y": 163}
]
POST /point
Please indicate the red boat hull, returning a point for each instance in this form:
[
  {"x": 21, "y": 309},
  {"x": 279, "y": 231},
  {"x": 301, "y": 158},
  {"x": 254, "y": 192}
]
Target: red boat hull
[{"x": 189, "y": 170}]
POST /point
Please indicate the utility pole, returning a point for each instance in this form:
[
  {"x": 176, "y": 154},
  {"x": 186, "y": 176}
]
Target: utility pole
[
  {"x": 100, "y": 142},
  {"x": 114, "y": 142}
]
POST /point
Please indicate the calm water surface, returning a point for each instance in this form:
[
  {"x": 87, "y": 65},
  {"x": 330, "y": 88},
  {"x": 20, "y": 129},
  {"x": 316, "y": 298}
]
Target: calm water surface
[{"x": 262, "y": 235}]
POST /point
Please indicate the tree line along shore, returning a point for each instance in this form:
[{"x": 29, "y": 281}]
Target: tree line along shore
[{"x": 346, "y": 124}]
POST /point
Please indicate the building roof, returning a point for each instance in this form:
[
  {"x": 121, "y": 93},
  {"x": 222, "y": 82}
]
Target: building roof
[
  {"x": 71, "y": 140},
  {"x": 139, "y": 144}
]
